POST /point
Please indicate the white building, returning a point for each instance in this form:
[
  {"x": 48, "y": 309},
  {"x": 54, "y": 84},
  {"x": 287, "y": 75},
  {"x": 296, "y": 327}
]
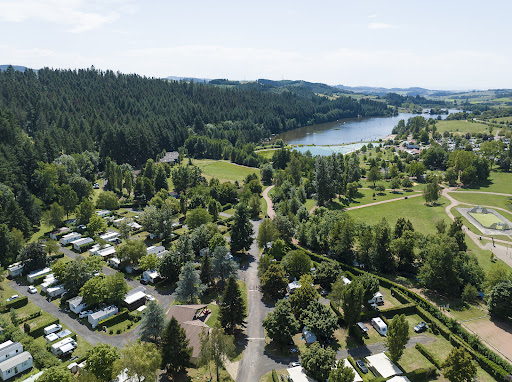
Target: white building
[
  {"x": 40, "y": 272},
  {"x": 70, "y": 237},
  {"x": 95, "y": 318},
  {"x": 107, "y": 252},
  {"x": 16, "y": 365},
  {"x": 103, "y": 213},
  {"x": 293, "y": 286},
  {"x": 56, "y": 290},
  {"x": 151, "y": 275},
  {"x": 109, "y": 236},
  {"x": 380, "y": 326},
  {"x": 78, "y": 244},
  {"x": 48, "y": 282},
  {"x": 65, "y": 346},
  {"x": 114, "y": 262},
  {"x": 156, "y": 249},
  {"x": 297, "y": 374},
  {"x": 76, "y": 305},
  {"x": 382, "y": 366},
  {"x": 15, "y": 269},
  {"x": 9, "y": 350},
  {"x": 135, "y": 297},
  {"x": 52, "y": 329}
]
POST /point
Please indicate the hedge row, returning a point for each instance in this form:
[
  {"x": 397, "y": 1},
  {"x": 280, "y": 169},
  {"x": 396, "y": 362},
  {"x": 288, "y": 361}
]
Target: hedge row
[
  {"x": 30, "y": 317},
  {"x": 451, "y": 324},
  {"x": 39, "y": 330},
  {"x": 275, "y": 378},
  {"x": 15, "y": 304},
  {"x": 422, "y": 374},
  {"x": 39, "y": 280},
  {"x": 56, "y": 256},
  {"x": 428, "y": 355},
  {"x": 111, "y": 321}
]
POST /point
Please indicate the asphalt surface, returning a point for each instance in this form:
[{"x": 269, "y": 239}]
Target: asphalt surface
[
  {"x": 164, "y": 299},
  {"x": 256, "y": 362}
]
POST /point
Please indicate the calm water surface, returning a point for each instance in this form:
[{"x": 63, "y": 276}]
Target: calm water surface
[{"x": 347, "y": 131}]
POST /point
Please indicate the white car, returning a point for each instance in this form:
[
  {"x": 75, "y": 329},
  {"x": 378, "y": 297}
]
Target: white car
[
  {"x": 32, "y": 289},
  {"x": 85, "y": 313},
  {"x": 13, "y": 297},
  {"x": 295, "y": 364},
  {"x": 150, "y": 298}
]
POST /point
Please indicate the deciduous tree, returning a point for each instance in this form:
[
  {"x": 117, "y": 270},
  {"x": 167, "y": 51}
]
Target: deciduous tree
[
  {"x": 459, "y": 366},
  {"x": 280, "y": 324},
  {"x": 398, "y": 335},
  {"x": 140, "y": 361}
]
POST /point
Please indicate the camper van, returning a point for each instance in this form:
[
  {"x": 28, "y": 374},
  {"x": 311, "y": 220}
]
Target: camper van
[
  {"x": 380, "y": 326},
  {"x": 378, "y": 299}
]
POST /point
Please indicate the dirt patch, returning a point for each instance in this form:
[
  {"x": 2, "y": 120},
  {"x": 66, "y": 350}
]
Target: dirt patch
[{"x": 496, "y": 333}]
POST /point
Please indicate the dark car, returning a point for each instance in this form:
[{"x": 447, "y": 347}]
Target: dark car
[
  {"x": 143, "y": 281},
  {"x": 421, "y": 327},
  {"x": 360, "y": 364}
]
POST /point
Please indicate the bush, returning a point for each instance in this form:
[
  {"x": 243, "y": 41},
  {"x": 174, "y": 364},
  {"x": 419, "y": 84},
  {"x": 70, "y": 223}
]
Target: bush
[
  {"x": 15, "y": 304},
  {"x": 55, "y": 256},
  {"x": 227, "y": 207},
  {"x": 428, "y": 355},
  {"x": 30, "y": 316},
  {"x": 470, "y": 293},
  {"x": 111, "y": 321},
  {"x": 275, "y": 378},
  {"x": 422, "y": 374}
]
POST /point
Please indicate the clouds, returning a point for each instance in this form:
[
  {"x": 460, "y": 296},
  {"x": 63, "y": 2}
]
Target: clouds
[{"x": 77, "y": 15}]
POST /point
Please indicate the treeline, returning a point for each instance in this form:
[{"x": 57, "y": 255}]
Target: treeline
[{"x": 397, "y": 100}]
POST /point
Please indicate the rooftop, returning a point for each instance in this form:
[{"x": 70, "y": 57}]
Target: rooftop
[
  {"x": 184, "y": 313},
  {"x": 383, "y": 365},
  {"x": 15, "y": 361}
]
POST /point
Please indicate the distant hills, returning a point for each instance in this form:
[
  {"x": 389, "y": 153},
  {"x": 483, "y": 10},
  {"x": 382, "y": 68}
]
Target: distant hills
[
  {"x": 412, "y": 91},
  {"x": 16, "y": 67}
]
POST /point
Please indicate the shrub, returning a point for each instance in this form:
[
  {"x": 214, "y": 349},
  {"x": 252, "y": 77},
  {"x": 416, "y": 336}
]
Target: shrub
[
  {"x": 39, "y": 330},
  {"x": 15, "y": 304},
  {"x": 275, "y": 378},
  {"x": 111, "y": 321},
  {"x": 428, "y": 355}
]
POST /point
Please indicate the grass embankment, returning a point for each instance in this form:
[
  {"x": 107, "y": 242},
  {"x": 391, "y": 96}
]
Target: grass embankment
[
  {"x": 500, "y": 182},
  {"x": 461, "y": 127},
  {"x": 224, "y": 171}
]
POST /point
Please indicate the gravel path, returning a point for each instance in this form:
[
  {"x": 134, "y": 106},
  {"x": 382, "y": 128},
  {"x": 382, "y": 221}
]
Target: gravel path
[{"x": 270, "y": 206}]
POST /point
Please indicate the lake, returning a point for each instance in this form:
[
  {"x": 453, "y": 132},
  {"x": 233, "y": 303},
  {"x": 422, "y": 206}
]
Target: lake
[{"x": 337, "y": 135}]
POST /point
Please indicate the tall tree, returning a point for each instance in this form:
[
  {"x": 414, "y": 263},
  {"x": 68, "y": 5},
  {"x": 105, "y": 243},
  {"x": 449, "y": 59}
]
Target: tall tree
[
  {"x": 140, "y": 361},
  {"x": 352, "y": 303},
  {"x": 459, "y": 367},
  {"x": 189, "y": 287},
  {"x": 176, "y": 352},
  {"x": 398, "y": 335},
  {"x": 216, "y": 347},
  {"x": 500, "y": 300},
  {"x": 54, "y": 216},
  {"x": 318, "y": 361},
  {"x": 67, "y": 199},
  {"x": 223, "y": 264},
  {"x": 232, "y": 306},
  {"x": 242, "y": 231},
  {"x": 206, "y": 272},
  {"x": 319, "y": 319},
  {"x": 96, "y": 225},
  {"x": 341, "y": 373},
  {"x": 100, "y": 361},
  {"x": 303, "y": 296},
  {"x": 297, "y": 263},
  {"x": 273, "y": 281},
  {"x": 280, "y": 324},
  {"x": 33, "y": 256},
  {"x": 85, "y": 211},
  {"x": 152, "y": 323},
  {"x": 169, "y": 266}
]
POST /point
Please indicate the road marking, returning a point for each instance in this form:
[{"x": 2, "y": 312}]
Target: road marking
[{"x": 255, "y": 338}]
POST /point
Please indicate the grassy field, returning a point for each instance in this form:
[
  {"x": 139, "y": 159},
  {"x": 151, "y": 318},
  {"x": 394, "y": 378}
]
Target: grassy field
[
  {"x": 500, "y": 182},
  {"x": 484, "y": 200},
  {"x": 266, "y": 153},
  {"x": 487, "y": 220},
  {"x": 412, "y": 359},
  {"x": 423, "y": 217},
  {"x": 365, "y": 196},
  {"x": 461, "y": 127},
  {"x": 224, "y": 171}
]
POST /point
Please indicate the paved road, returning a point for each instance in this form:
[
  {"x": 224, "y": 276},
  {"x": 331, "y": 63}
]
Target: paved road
[
  {"x": 256, "y": 361},
  {"x": 366, "y": 350}
]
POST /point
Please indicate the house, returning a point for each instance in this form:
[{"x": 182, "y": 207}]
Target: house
[
  {"x": 382, "y": 366},
  {"x": 36, "y": 274},
  {"x": 380, "y": 326},
  {"x": 59, "y": 232},
  {"x": 109, "y": 236},
  {"x": 15, "y": 269},
  {"x": 70, "y": 237},
  {"x": 52, "y": 329},
  {"x": 103, "y": 213},
  {"x": 16, "y": 365},
  {"x": 65, "y": 346},
  {"x": 156, "y": 249},
  {"x": 9, "y": 350},
  {"x": 151, "y": 275},
  {"x": 293, "y": 286},
  {"x": 357, "y": 377},
  {"x": 308, "y": 335},
  {"x": 135, "y": 298},
  {"x": 114, "y": 262},
  {"x": 77, "y": 304},
  {"x": 100, "y": 315},
  {"x": 191, "y": 318},
  {"x": 56, "y": 290},
  {"x": 78, "y": 244},
  {"x": 48, "y": 282},
  {"x": 297, "y": 374},
  {"x": 106, "y": 253}
]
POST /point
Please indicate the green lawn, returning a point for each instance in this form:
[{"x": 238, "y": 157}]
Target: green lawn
[
  {"x": 412, "y": 359},
  {"x": 487, "y": 220},
  {"x": 484, "y": 199},
  {"x": 266, "y": 153},
  {"x": 365, "y": 196},
  {"x": 461, "y": 127},
  {"x": 224, "y": 171},
  {"x": 500, "y": 182},
  {"x": 423, "y": 217}
]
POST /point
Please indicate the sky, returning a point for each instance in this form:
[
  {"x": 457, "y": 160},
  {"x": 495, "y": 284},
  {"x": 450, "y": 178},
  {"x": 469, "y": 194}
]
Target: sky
[{"x": 452, "y": 45}]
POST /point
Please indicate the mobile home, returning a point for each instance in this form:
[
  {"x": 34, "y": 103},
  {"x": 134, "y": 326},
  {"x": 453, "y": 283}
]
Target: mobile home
[
  {"x": 76, "y": 305},
  {"x": 95, "y": 318},
  {"x": 78, "y": 244},
  {"x": 36, "y": 274},
  {"x": 70, "y": 237},
  {"x": 15, "y": 269},
  {"x": 16, "y": 365}
]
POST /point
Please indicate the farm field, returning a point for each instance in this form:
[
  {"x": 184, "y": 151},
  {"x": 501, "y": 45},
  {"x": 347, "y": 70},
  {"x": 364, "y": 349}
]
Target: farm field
[
  {"x": 422, "y": 217},
  {"x": 224, "y": 171},
  {"x": 461, "y": 127}
]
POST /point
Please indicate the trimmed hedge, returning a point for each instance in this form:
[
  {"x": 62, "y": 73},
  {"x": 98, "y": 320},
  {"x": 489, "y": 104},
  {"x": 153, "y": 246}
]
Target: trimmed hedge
[
  {"x": 39, "y": 280},
  {"x": 111, "y": 321},
  {"x": 56, "y": 256},
  {"x": 428, "y": 355},
  {"x": 227, "y": 207},
  {"x": 403, "y": 309},
  {"x": 275, "y": 378},
  {"x": 30, "y": 317},
  {"x": 422, "y": 374},
  {"x": 15, "y": 304},
  {"x": 39, "y": 331}
]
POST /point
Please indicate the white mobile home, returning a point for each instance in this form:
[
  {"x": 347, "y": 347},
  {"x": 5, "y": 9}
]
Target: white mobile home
[
  {"x": 68, "y": 238},
  {"x": 10, "y": 350},
  {"x": 106, "y": 253},
  {"x": 15, "y": 269},
  {"x": 156, "y": 249},
  {"x": 52, "y": 329},
  {"x": 56, "y": 290},
  {"x": 16, "y": 365},
  {"x": 114, "y": 262},
  {"x": 48, "y": 282},
  {"x": 76, "y": 305},
  {"x": 380, "y": 326},
  {"x": 41, "y": 272},
  {"x": 5, "y": 344},
  {"x": 103, "y": 213},
  {"x": 63, "y": 346},
  {"x": 135, "y": 298},
  {"x": 100, "y": 315},
  {"x": 109, "y": 236},
  {"x": 117, "y": 222},
  {"x": 78, "y": 244},
  {"x": 151, "y": 275}
]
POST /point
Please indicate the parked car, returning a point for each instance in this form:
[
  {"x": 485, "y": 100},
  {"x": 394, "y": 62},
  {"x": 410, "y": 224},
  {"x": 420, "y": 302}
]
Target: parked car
[
  {"x": 295, "y": 364},
  {"x": 361, "y": 365},
  {"x": 421, "y": 327},
  {"x": 150, "y": 298},
  {"x": 13, "y": 297},
  {"x": 143, "y": 281},
  {"x": 85, "y": 313},
  {"x": 32, "y": 289}
]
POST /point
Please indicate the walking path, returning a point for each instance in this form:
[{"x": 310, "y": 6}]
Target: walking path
[{"x": 270, "y": 206}]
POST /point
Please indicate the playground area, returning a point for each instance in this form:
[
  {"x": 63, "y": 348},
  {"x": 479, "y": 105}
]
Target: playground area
[{"x": 487, "y": 220}]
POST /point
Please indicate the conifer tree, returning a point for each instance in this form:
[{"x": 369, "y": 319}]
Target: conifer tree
[
  {"x": 175, "y": 348},
  {"x": 242, "y": 231},
  {"x": 152, "y": 323},
  {"x": 232, "y": 308}
]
